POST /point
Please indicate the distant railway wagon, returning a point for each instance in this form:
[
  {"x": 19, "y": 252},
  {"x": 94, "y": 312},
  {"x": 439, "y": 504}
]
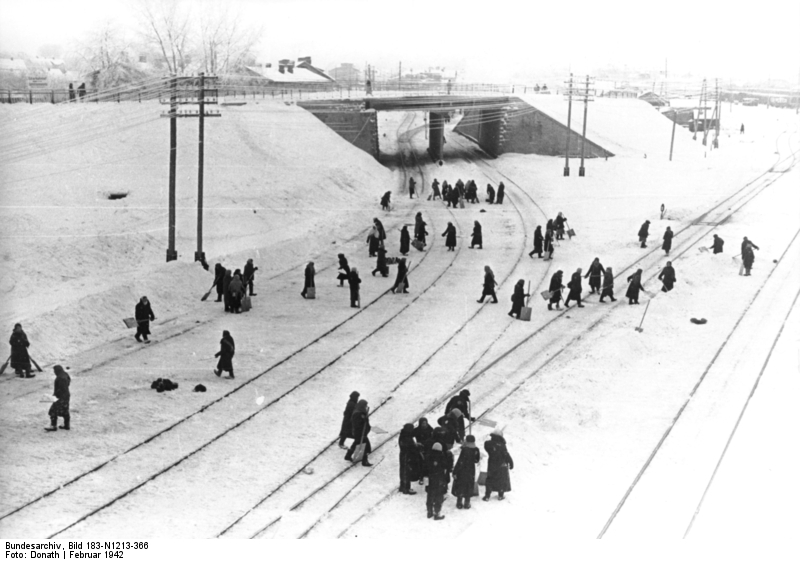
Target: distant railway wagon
[{"x": 750, "y": 101}]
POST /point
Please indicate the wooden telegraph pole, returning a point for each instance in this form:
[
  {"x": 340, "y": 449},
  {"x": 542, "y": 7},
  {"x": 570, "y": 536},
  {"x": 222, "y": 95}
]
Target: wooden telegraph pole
[
  {"x": 586, "y": 100},
  {"x": 196, "y": 98},
  {"x": 569, "y": 126}
]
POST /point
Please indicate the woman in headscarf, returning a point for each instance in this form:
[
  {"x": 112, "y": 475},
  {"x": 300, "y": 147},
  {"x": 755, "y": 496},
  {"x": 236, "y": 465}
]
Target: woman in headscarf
[
  {"x": 450, "y": 237},
  {"x": 405, "y": 240},
  {"x": 309, "y": 278},
  {"x": 667, "y": 276},
  {"x": 236, "y": 288},
  {"x": 490, "y": 193},
  {"x": 381, "y": 266},
  {"x": 60, "y": 408},
  {"x": 227, "y": 348},
  {"x": 518, "y": 298},
  {"x": 20, "y": 360},
  {"x": 219, "y": 275},
  {"x": 537, "y": 242},
  {"x": 226, "y": 295},
  {"x": 497, "y": 476},
  {"x": 549, "y": 248},
  {"x": 594, "y": 274},
  {"x": 477, "y": 236},
  {"x": 386, "y": 200},
  {"x": 355, "y": 288},
  {"x": 410, "y": 459},
  {"x": 634, "y": 286},
  {"x": 345, "y": 268},
  {"x": 361, "y": 428},
  {"x": 608, "y": 285},
  {"x": 347, "y": 420},
  {"x": 401, "y": 281},
  {"x": 488, "y": 285},
  {"x": 556, "y": 286},
  {"x": 420, "y": 232},
  {"x": 668, "y": 235},
  {"x": 374, "y": 240},
  {"x": 464, "y": 472}
]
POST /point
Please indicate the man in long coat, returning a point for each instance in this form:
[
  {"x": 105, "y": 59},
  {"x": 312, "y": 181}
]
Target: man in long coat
[
  {"x": 634, "y": 286},
  {"x": 20, "y": 360},
  {"x": 144, "y": 315},
  {"x": 405, "y": 240},
  {"x": 62, "y": 394},
  {"x": 436, "y": 470},
  {"x": 249, "y": 276},
  {"x": 644, "y": 231},
  {"x": 410, "y": 459},
  {"x": 667, "y": 276},
  {"x": 219, "y": 276}
]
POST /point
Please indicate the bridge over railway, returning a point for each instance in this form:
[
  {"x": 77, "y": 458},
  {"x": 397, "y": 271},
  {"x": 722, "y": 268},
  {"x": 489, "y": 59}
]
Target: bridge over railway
[{"x": 498, "y": 123}]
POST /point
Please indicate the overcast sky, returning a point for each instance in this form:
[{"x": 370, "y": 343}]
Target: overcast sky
[{"x": 490, "y": 39}]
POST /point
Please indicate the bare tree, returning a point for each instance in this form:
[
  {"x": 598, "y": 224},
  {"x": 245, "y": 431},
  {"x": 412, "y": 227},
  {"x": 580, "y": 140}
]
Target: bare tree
[
  {"x": 166, "y": 24},
  {"x": 227, "y": 41},
  {"x": 104, "y": 57}
]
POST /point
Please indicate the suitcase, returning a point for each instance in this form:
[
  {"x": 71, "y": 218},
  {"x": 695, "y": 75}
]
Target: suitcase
[
  {"x": 311, "y": 293},
  {"x": 417, "y": 244},
  {"x": 246, "y": 304}
]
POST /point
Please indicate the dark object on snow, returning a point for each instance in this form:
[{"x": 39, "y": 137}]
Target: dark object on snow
[
  {"x": 198, "y": 388},
  {"x": 482, "y": 210},
  {"x": 774, "y": 260},
  {"x": 20, "y": 359},
  {"x": 500, "y": 462},
  {"x": 164, "y": 385},
  {"x": 701, "y": 321}
]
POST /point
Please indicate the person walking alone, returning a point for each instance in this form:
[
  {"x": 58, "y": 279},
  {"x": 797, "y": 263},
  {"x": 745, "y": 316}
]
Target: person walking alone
[
  {"x": 355, "y": 288},
  {"x": 644, "y": 231},
  {"x": 402, "y": 277},
  {"x": 537, "y": 243},
  {"x": 498, "y": 466},
  {"x": 634, "y": 286},
  {"x": 405, "y": 240},
  {"x": 411, "y": 187},
  {"x": 144, "y": 315},
  {"x": 450, "y": 237},
  {"x": 488, "y": 285},
  {"x": 477, "y": 236},
  {"x": 667, "y": 276},
  {"x": 309, "y": 279},
  {"x": 344, "y": 267},
  {"x": 381, "y": 266},
  {"x": 346, "y": 431},
  {"x": 668, "y": 235},
  {"x": 60, "y": 408},
  {"x": 361, "y": 428},
  {"x": 20, "y": 360},
  {"x": 227, "y": 348}
]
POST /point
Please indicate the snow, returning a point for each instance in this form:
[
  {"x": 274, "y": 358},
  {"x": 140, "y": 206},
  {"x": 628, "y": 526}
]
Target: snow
[{"x": 584, "y": 398}]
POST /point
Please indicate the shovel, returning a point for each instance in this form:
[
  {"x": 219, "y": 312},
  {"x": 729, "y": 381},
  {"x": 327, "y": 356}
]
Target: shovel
[
  {"x": 639, "y": 329},
  {"x": 3, "y": 368},
  {"x": 207, "y": 294}
]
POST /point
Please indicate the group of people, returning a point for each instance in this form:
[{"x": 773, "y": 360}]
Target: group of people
[
  {"x": 232, "y": 286},
  {"x": 554, "y": 230},
  {"x": 81, "y": 91},
  {"x": 455, "y": 194},
  {"x": 426, "y": 453}
]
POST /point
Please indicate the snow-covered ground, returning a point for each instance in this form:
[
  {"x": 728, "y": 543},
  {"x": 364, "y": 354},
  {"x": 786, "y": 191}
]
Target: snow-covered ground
[{"x": 590, "y": 406}]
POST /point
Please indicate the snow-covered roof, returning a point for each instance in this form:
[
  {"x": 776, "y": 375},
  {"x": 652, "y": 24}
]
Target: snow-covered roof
[{"x": 300, "y": 74}]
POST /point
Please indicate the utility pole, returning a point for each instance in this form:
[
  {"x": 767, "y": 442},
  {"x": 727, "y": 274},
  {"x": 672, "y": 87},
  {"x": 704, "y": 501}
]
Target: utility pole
[
  {"x": 173, "y": 114},
  {"x": 581, "y": 170},
  {"x": 569, "y": 127},
  {"x": 718, "y": 111},
  {"x": 172, "y": 254},
  {"x": 399, "y": 75},
  {"x": 705, "y": 113},
  {"x": 672, "y": 141}
]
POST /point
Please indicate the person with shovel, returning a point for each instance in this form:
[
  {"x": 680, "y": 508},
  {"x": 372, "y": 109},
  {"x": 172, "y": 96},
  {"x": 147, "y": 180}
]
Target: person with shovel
[
  {"x": 716, "y": 246},
  {"x": 575, "y": 289},
  {"x": 361, "y": 428},
  {"x": 559, "y": 225},
  {"x": 548, "y": 244},
  {"x": 249, "y": 276},
  {"x": 556, "y": 287},
  {"x": 667, "y": 276},
  {"x": 518, "y": 299},
  {"x": 219, "y": 276},
  {"x": 634, "y": 286},
  {"x": 20, "y": 360}
]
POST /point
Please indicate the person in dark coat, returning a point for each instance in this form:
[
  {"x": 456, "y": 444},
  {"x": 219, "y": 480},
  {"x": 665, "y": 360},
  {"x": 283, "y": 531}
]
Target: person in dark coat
[
  {"x": 227, "y": 348},
  {"x": 490, "y": 193},
  {"x": 309, "y": 278},
  {"x": 518, "y": 299},
  {"x": 644, "y": 231},
  {"x": 748, "y": 256},
  {"x": 250, "y": 276},
  {"x": 226, "y": 295},
  {"x": 60, "y": 408},
  {"x": 501, "y": 193},
  {"x": 477, "y": 236},
  {"x": 402, "y": 276},
  {"x": 423, "y": 432},
  {"x": 446, "y": 192},
  {"x": 594, "y": 274},
  {"x": 608, "y": 285},
  {"x": 144, "y": 315},
  {"x": 381, "y": 266},
  {"x": 219, "y": 277},
  {"x": 558, "y": 224},
  {"x": 386, "y": 200},
  {"x": 488, "y": 285},
  {"x": 450, "y": 240},
  {"x": 500, "y": 462},
  {"x": 374, "y": 241},
  {"x": 537, "y": 242},
  {"x": 667, "y": 276},
  {"x": 236, "y": 288},
  {"x": 381, "y": 231},
  {"x": 355, "y": 288},
  {"x": 575, "y": 289},
  {"x": 436, "y": 470},
  {"x": 344, "y": 267},
  {"x": 548, "y": 244},
  {"x": 464, "y": 473},
  {"x": 361, "y": 428},
  {"x": 668, "y": 235},
  {"x": 455, "y": 195},
  {"x": 464, "y": 405},
  {"x": 411, "y": 187},
  {"x": 717, "y": 245},
  {"x": 405, "y": 240},
  {"x": 420, "y": 232},
  {"x": 555, "y": 289},
  {"x": 634, "y": 286},
  {"x": 410, "y": 459},
  {"x": 82, "y": 90},
  {"x": 347, "y": 420},
  {"x": 19, "y": 360},
  {"x": 453, "y": 424},
  {"x": 435, "y": 189},
  {"x": 71, "y": 92}
]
